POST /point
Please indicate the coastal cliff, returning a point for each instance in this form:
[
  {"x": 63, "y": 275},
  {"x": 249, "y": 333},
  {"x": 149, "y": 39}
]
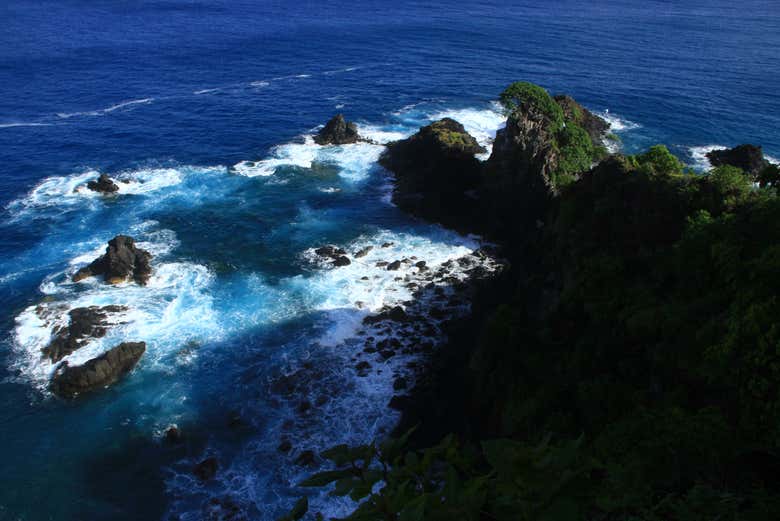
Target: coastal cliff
[{"x": 625, "y": 366}]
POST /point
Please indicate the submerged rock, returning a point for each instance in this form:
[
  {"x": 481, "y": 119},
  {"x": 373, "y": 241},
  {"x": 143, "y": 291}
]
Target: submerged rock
[
  {"x": 69, "y": 381},
  {"x": 363, "y": 252},
  {"x": 206, "y": 469},
  {"x": 103, "y": 184},
  {"x": 85, "y": 323},
  {"x": 337, "y": 131},
  {"x": 750, "y": 158},
  {"x": 121, "y": 261},
  {"x": 172, "y": 435}
]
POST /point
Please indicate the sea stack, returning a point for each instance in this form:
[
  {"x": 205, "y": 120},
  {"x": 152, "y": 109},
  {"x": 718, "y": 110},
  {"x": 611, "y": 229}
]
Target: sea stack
[
  {"x": 337, "y": 131},
  {"x": 121, "y": 262}
]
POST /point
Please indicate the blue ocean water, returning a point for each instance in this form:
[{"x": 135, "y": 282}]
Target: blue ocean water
[{"x": 203, "y": 109}]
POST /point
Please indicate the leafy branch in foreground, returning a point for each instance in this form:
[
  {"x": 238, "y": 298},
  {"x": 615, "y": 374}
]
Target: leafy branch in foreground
[{"x": 502, "y": 481}]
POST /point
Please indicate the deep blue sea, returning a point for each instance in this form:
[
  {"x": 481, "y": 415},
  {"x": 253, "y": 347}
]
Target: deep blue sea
[{"x": 202, "y": 110}]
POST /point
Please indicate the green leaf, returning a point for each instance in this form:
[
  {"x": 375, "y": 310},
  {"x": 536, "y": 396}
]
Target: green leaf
[{"x": 323, "y": 478}]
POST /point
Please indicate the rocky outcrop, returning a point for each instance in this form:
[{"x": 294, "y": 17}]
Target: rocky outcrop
[
  {"x": 85, "y": 323},
  {"x": 750, "y": 158},
  {"x": 518, "y": 182},
  {"x": 435, "y": 168},
  {"x": 70, "y": 381},
  {"x": 103, "y": 184},
  {"x": 595, "y": 126},
  {"x": 337, "y": 256},
  {"x": 122, "y": 261},
  {"x": 337, "y": 131}
]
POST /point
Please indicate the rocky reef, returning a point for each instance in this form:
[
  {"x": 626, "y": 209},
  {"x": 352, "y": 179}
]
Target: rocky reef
[
  {"x": 749, "y": 158},
  {"x": 122, "y": 261},
  {"x": 337, "y": 131},
  {"x": 71, "y": 381},
  {"x": 84, "y": 325},
  {"x": 103, "y": 184}
]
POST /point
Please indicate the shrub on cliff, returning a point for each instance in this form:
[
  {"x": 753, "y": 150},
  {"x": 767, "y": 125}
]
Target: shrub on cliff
[{"x": 524, "y": 94}]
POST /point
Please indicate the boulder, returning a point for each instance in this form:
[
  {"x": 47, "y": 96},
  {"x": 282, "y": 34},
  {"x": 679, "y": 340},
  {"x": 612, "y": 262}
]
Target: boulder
[
  {"x": 750, "y": 158},
  {"x": 85, "y": 323},
  {"x": 337, "y": 131},
  {"x": 394, "y": 266},
  {"x": 341, "y": 261},
  {"x": 363, "y": 252},
  {"x": 121, "y": 261},
  {"x": 103, "y": 184},
  {"x": 70, "y": 381}
]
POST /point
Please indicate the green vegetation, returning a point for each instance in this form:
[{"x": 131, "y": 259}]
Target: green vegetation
[
  {"x": 648, "y": 390},
  {"x": 521, "y": 93},
  {"x": 576, "y": 151}
]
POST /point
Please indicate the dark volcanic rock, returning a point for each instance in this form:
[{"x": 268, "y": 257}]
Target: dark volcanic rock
[
  {"x": 750, "y": 158},
  {"x": 342, "y": 261},
  {"x": 337, "y": 132},
  {"x": 595, "y": 126},
  {"x": 99, "y": 372},
  {"x": 394, "y": 266},
  {"x": 85, "y": 323},
  {"x": 206, "y": 469},
  {"x": 305, "y": 458},
  {"x": 434, "y": 169},
  {"x": 172, "y": 435},
  {"x": 121, "y": 261},
  {"x": 363, "y": 252},
  {"x": 103, "y": 184},
  {"x": 330, "y": 251}
]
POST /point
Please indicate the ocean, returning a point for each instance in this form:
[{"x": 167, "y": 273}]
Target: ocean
[{"x": 204, "y": 112}]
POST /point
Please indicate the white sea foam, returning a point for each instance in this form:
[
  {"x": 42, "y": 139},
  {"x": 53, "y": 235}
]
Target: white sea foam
[
  {"x": 259, "y": 83},
  {"x": 205, "y": 91},
  {"x": 353, "y": 160},
  {"x": 63, "y": 191},
  {"x": 174, "y": 308},
  {"x": 107, "y": 110},
  {"x": 616, "y": 123},
  {"x": 22, "y": 124},
  {"x": 384, "y": 134},
  {"x": 699, "y": 156}
]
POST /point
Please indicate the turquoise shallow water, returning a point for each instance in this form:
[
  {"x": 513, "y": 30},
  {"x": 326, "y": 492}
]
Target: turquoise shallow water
[{"x": 204, "y": 109}]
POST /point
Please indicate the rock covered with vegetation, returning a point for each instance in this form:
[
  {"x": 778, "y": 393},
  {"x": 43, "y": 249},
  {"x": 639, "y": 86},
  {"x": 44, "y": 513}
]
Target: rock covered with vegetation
[
  {"x": 627, "y": 366},
  {"x": 435, "y": 168}
]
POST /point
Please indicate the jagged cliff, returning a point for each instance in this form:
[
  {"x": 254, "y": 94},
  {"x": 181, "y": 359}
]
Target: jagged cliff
[{"x": 625, "y": 367}]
